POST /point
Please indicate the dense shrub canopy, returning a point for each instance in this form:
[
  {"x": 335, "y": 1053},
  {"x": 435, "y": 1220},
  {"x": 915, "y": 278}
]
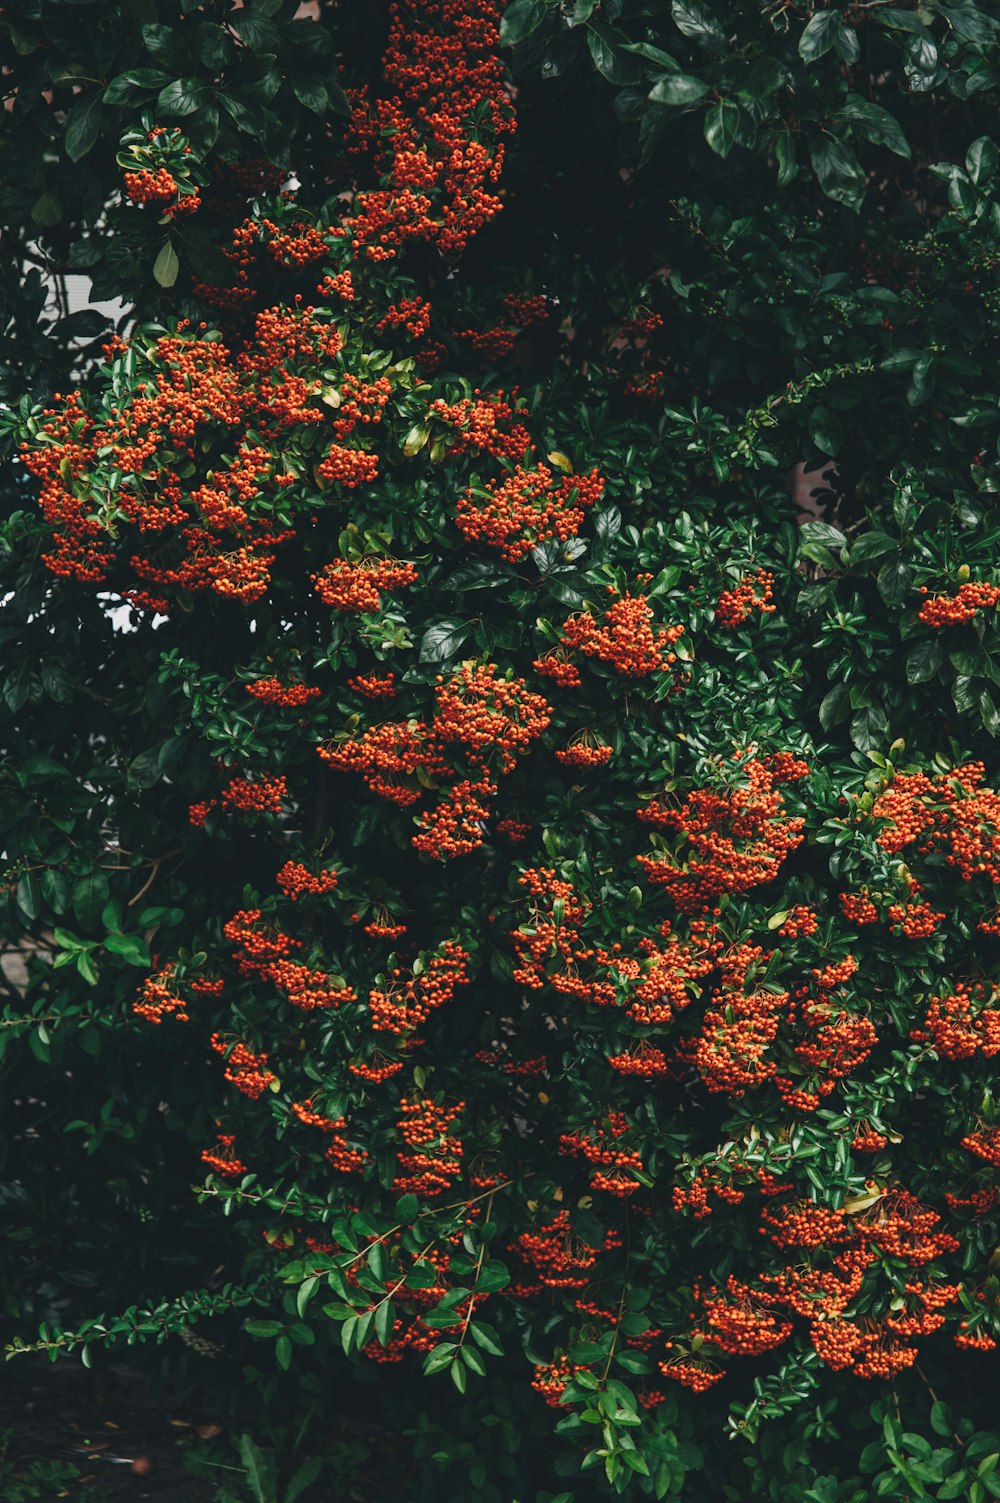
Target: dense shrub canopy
[{"x": 545, "y": 893}]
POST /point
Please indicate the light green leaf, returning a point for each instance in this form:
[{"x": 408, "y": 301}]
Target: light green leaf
[
  {"x": 166, "y": 266},
  {"x": 678, "y": 88}
]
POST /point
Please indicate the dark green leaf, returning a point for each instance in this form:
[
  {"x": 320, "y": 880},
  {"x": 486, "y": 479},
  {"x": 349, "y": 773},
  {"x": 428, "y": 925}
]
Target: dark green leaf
[
  {"x": 55, "y": 889},
  {"x": 820, "y": 35},
  {"x": 895, "y": 581},
  {"x": 826, "y": 430},
  {"x": 125, "y": 86},
  {"x": 29, "y": 895},
  {"x": 167, "y": 47},
  {"x": 721, "y": 126},
  {"x": 869, "y": 729},
  {"x": 871, "y": 545},
  {"x": 696, "y": 21},
  {"x": 835, "y": 706},
  {"x": 255, "y": 31},
  {"x": 837, "y": 169},
  {"x": 443, "y": 640},
  {"x": 607, "y": 48},
  {"x": 520, "y": 19},
  {"x": 90, "y": 893},
  {"x": 83, "y": 126},
  {"x": 182, "y": 97},
  {"x": 924, "y": 661},
  {"x": 876, "y": 124}
]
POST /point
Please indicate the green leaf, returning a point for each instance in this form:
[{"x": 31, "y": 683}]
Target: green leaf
[
  {"x": 304, "y": 1293},
  {"x": 697, "y": 22},
  {"x": 263, "y": 1329},
  {"x": 941, "y": 1422},
  {"x": 988, "y": 713},
  {"x": 124, "y": 87},
  {"x": 875, "y": 124},
  {"x": 847, "y": 46},
  {"x": 131, "y": 947},
  {"x": 166, "y": 266},
  {"x": 487, "y": 1337},
  {"x": 312, "y": 93},
  {"x": 144, "y": 770},
  {"x": 871, "y": 545},
  {"x": 869, "y": 729},
  {"x": 249, "y": 116},
  {"x": 83, "y": 126},
  {"x": 473, "y": 1361},
  {"x": 607, "y": 525},
  {"x": 47, "y": 210},
  {"x": 963, "y": 693},
  {"x": 443, "y": 640},
  {"x": 824, "y": 533},
  {"x": 90, "y": 893},
  {"x": 894, "y": 581},
  {"x": 29, "y": 895},
  {"x": 166, "y": 45},
  {"x": 492, "y": 1277},
  {"x": 721, "y": 125},
  {"x": 820, "y": 35},
  {"x": 607, "y": 48},
  {"x": 385, "y": 1319},
  {"x": 303, "y": 1477},
  {"x": 182, "y": 97},
  {"x": 837, "y": 169},
  {"x": 439, "y": 1358},
  {"x": 678, "y": 88},
  {"x": 55, "y": 889},
  {"x": 86, "y": 968},
  {"x": 784, "y": 155},
  {"x": 255, "y": 31},
  {"x": 634, "y": 1362},
  {"x": 520, "y": 19},
  {"x": 259, "y": 1467},
  {"x": 826, "y": 430},
  {"x": 924, "y": 661},
  {"x": 981, "y": 161},
  {"x": 972, "y": 24},
  {"x": 835, "y": 706},
  {"x": 586, "y": 1352}
]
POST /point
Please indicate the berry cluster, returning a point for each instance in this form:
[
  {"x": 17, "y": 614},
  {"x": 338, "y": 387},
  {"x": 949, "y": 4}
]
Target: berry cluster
[
  {"x": 344, "y": 586},
  {"x": 297, "y": 881},
  {"x": 526, "y": 507},
  {"x": 627, "y": 640},
  {"x": 737, "y": 837},
  {"x": 482, "y": 721},
  {"x": 956, "y": 610},
  {"x": 270, "y": 691},
  {"x": 753, "y": 593},
  {"x": 247, "y": 1071}
]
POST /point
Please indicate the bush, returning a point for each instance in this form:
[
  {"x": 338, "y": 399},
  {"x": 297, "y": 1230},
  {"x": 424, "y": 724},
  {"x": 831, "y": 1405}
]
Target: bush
[{"x": 454, "y": 811}]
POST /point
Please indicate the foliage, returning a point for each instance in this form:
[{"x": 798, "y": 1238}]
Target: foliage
[{"x": 553, "y": 893}]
